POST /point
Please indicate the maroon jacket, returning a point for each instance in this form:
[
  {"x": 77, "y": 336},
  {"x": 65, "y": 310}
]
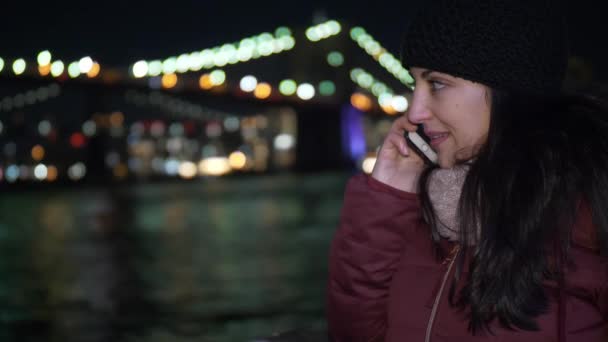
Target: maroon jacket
[{"x": 385, "y": 284}]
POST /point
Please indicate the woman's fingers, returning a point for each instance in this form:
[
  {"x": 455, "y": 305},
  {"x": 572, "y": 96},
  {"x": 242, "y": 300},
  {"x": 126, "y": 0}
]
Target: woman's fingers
[
  {"x": 403, "y": 124},
  {"x": 397, "y": 141}
]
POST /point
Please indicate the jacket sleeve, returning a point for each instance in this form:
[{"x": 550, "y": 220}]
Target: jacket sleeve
[{"x": 364, "y": 255}]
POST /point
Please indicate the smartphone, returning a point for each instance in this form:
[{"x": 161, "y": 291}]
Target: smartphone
[{"x": 419, "y": 142}]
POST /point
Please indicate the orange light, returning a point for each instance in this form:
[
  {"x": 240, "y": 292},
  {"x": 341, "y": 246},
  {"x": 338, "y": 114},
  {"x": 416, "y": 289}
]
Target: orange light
[
  {"x": 388, "y": 109},
  {"x": 121, "y": 171},
  {"x": 95, "y": 69},
  {"x": 237, "y": 160},
  {"x": 361, "y": 102},
  {"x": 205, "y": 82},
  {"x": 51, "y": 173},
  {"x": 38, "y": 152},
  {"x": 116, "y": 119},
  {"x": 169, "y": 81},
  {"x": 262, "y": 91},
  {"x": 44, "y": 70}
]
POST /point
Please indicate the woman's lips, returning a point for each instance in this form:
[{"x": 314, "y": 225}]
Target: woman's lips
[{"x": 437, "y": 138}]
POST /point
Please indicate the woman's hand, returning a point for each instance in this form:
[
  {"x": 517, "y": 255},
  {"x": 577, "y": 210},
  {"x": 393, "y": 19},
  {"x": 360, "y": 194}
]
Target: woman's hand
[{"x": 396, "y": 165}]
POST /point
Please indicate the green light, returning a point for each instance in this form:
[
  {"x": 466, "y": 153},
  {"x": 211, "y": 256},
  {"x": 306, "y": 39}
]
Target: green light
[
  {"x": 220, "y": 58},
  {"x": 327, "y": 88},
  {"x": 207, "y": 56},
  {"x": 169, "y": 65},
  {"x": 312, "y": 34},
  {"x": 282, "y": 32},
  {"x": 379, "y": 88},
  {"x": 217, "y": 77},
  {"x": 372, "y": 47},
  {"x": 356, "y": 32},
  {"x": 364, "y": 39},
  {"x": 19, "y": 66},
  {"x": 182, "y": 63},
  {"x": 155, "y": 68},
  {"x": 244, "y": 54},
  {"x": 334, "y": 27},
  {"x": 265, "y": 48},
  {"x": 195, "y": 61},
  {"x": 44, "y": 58},
  {"x": 247, "y": 43},
  {"x": 230, "y": 52},
  {"x": 365, "y": 80},
  {"x": 1, "y": 64},
  {"x": 385, "y": 99},
  {"x": 288, "y": 43},
  {"x": 354, "y": 74},
  {"x": 57, "y": 68},
  {"x": 335, "y": 59},
  {"x": 265, "y": 37},
  {"x": 74, "y": 69},
  {"x": 288, "y": 87}
]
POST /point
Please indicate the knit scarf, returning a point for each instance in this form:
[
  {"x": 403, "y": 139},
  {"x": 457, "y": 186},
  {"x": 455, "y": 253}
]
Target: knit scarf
[{"x": 445, "y": 187}]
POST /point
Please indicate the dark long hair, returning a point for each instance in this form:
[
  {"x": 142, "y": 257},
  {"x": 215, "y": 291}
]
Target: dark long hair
[{"x": 542, "y": 158}]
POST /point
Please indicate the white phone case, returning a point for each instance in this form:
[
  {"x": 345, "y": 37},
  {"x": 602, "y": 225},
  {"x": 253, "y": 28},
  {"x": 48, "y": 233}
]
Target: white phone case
[{"x": 422, "y": 147}]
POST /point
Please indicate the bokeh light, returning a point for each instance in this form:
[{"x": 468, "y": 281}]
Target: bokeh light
[
  {"x": 214, "y": 166},
  {"x": 399, "y": 103},
  {"x": 361, "y": 102},
  {"x": 248, "y": 83},
  {"x": 77, "y": 171},
  {"x": 169, "y": 81},
  {"x": 95, "y": 70},
  {"x": 40, "y": 172},
  {"x": 262, "y": 91},
  {"x": 140, "y": 69},
  {"x": 205, "y": 82},
  {"x": 306, "y": 91},
  {"x": 44, "y": 58},
  {"x": 284, "y": 142},
  {"x": 288, "y": 87},
  {"x": 73, "y": 70},
  {"x": 187, "y": 170},
  {"x": 44, "y": 128},
  {"x": 335, "y": 59},
  {"x": 237, "y": 160},
  {"x": 85, "y": 64},
  {"x": 327, "y": 88},
  {"x": 38, "y": 153},
  {"x": 57, "y": 68},
  {"x": 44, "y": 70},
  {"x": 77, "y": 140},
  {"x": 89, "y": 128},
  {"x": 19, "y": 66},
  {"x": 51, "y": 173},
  {"x": 217, "y": 77}
]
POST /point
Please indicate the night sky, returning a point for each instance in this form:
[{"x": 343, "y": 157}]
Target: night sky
[{"x": 119, "y": 33}]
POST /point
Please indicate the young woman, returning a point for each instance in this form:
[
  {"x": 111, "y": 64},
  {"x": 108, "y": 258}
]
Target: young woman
[{"x": 506, "y": 238}]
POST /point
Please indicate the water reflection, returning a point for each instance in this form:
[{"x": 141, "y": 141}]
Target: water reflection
[{"x": 221, "y": 260}]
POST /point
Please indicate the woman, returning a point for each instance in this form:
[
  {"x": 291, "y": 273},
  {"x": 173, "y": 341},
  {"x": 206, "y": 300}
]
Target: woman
[{"x": 506, "y": 237}]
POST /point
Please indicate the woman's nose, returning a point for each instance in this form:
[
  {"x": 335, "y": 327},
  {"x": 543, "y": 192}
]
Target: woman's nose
[{"x": 418, "y": 111}]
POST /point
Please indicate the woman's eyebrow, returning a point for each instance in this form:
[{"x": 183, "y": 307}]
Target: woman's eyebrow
[{"x": 425, "y": 74}]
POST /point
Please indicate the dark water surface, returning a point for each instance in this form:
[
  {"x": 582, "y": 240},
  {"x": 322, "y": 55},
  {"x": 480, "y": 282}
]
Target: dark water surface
[{"x": 212, "y": 260}]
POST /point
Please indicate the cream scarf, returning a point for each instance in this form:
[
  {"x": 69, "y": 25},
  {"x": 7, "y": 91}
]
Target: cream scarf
[{"x": 445, "y": 187}]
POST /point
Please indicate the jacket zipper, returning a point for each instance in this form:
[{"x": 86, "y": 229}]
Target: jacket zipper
[{"x": 429, "y": 327}]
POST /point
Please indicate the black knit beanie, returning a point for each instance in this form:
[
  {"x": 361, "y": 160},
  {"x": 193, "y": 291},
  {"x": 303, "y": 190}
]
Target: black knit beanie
[{"x": 505, "y": 44}]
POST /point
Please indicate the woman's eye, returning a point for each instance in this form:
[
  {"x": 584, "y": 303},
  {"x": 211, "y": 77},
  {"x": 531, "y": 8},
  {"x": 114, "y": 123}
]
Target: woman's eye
[{"x": 436, "y": 85}]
